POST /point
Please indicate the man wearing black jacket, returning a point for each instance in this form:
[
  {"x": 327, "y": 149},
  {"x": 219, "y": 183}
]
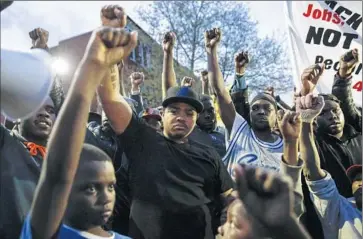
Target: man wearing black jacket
[{"x": 338, "y": 133}]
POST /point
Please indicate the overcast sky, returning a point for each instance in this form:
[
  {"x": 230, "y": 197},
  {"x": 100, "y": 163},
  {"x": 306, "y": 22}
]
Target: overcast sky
[{"x": 65, "y": 19}]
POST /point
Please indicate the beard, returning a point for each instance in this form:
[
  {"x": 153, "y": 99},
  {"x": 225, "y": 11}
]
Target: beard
[
  {"x": 358, "y": 198},
  {"x": 261, "y": 127},
  {"x": 207, "y": 127}
]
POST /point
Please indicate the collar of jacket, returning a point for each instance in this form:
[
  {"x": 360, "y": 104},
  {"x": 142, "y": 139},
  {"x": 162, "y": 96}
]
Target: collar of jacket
[{"x": 348, "y": 133}]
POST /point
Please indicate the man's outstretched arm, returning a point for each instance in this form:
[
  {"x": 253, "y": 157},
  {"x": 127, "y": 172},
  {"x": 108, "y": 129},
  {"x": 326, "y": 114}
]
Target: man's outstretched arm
[
  {"x": 227, "y": 110},
  {"x": 342, "y": 89},
  {"x": 310, "y": 107},
  {"x": 116, "y": 108},
  {"x": 168, "y": 76},
  {"x": 65, "y": 145}
]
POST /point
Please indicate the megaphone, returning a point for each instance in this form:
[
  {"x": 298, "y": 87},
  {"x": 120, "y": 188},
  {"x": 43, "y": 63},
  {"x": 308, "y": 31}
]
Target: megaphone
[{"x": 26, "y": 81}]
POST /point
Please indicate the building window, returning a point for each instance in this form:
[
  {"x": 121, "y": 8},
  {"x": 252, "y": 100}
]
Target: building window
[
  {"x": 147, "y": 55},
  {"x": 127, "y": 28},
  {"x": 132, "y": 56},
  {"x": 141, "y": 55}
]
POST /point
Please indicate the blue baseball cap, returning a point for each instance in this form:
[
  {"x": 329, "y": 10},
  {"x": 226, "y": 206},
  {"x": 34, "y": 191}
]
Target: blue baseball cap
[{"x": 183, "y": 94}]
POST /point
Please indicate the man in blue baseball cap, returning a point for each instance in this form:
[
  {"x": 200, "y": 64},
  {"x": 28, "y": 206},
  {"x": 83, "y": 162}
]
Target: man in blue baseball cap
[
  {"x": 174, "y": 180},
  {"x": 181, "y": 108}
]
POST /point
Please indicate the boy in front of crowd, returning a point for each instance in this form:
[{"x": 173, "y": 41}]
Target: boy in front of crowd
[{"x": 75, "y": 195}]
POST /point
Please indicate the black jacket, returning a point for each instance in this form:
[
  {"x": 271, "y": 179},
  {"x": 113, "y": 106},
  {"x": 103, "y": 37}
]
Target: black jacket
[{"x": 337, "y": 155}]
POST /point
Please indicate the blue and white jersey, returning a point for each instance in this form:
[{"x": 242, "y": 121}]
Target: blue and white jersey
[{"x": 243, "y": 147}]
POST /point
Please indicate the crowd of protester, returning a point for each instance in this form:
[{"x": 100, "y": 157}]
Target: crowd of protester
[{"x": 124, "y": 171}]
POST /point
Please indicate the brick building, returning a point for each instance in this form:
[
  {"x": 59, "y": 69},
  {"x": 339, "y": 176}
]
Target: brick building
[{"x": 146, "y": 57}]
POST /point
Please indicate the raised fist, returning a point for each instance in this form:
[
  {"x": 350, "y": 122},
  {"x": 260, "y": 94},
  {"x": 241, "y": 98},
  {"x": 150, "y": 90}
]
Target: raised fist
[
  {"x": 212, "y": 38},
  {"x": 187, "y": 81},
  {"x": 204, "y": 76},
  {"x": 309, "y": 107},
  {"x": 347, "y": 63},
  {"x": 169, "y": 42},
  {"x": 289, "y": 124},
  {"x": 106, "y": 46},
  {"x": 39, "y": 38},
  {"x": 270, "y": 90},
  {"x": 267, "y": 196},
  {"x": 310, "y": 78},
  {"x": 113, "y": 16},
  {"x": 241, "y": 61},
  {"x": 122, "y": 38},
  {"x": 136, "y": 78}
]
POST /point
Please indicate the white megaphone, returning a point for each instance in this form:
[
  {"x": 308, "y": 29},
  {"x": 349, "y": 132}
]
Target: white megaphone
[{"x": 26, "y": 80}]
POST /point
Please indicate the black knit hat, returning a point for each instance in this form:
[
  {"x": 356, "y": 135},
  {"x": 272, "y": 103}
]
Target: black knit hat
[
  {"x": 185, "y": 95},
  {"x": 265, "y": 96}
]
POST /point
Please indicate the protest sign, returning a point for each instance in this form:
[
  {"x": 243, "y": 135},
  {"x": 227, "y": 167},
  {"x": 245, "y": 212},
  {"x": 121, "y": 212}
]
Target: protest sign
[{"x": 322, "y": 31}]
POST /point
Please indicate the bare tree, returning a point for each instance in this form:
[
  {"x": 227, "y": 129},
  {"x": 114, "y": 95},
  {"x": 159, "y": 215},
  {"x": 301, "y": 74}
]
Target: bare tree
[{"x": 190, "y": 19}]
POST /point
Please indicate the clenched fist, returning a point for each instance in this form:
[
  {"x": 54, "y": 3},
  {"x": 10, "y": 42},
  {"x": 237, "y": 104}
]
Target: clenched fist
[
  {"x": 270, "y": 90},
  {"x": 347, "y": 63},
  {"x": 212, "y": 38},
  {"x": 122, "y": 38},
  {"x": 309, "y": 107},
  {"x": 289, "y": 124},
  {"x": 267, "y": 196},
  {"x": 39, "y": 38},
  {"x": 136, "y": 78},
  {"x": 106, "y": 46},
  {"x": 113, "y": 16},
  {"x": 241, "y": 61},
  {"x": 169, "y": 42},
  {"x": 187, "y": 81},
  {"x": 310, "y": 78},
  {"x": 204, "y": 76}
]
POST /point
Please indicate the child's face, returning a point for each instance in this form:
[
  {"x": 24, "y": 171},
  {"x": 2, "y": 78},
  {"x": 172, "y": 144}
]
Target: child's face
[
  {"x": 237, "y": 225},
  {"x": 93, "y": 195}
]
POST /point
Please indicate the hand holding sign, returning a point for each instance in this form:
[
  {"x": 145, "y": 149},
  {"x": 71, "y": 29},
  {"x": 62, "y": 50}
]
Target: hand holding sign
[
  {"x": 347, "y": 63},
  {"x": 310, "y": 78}
]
